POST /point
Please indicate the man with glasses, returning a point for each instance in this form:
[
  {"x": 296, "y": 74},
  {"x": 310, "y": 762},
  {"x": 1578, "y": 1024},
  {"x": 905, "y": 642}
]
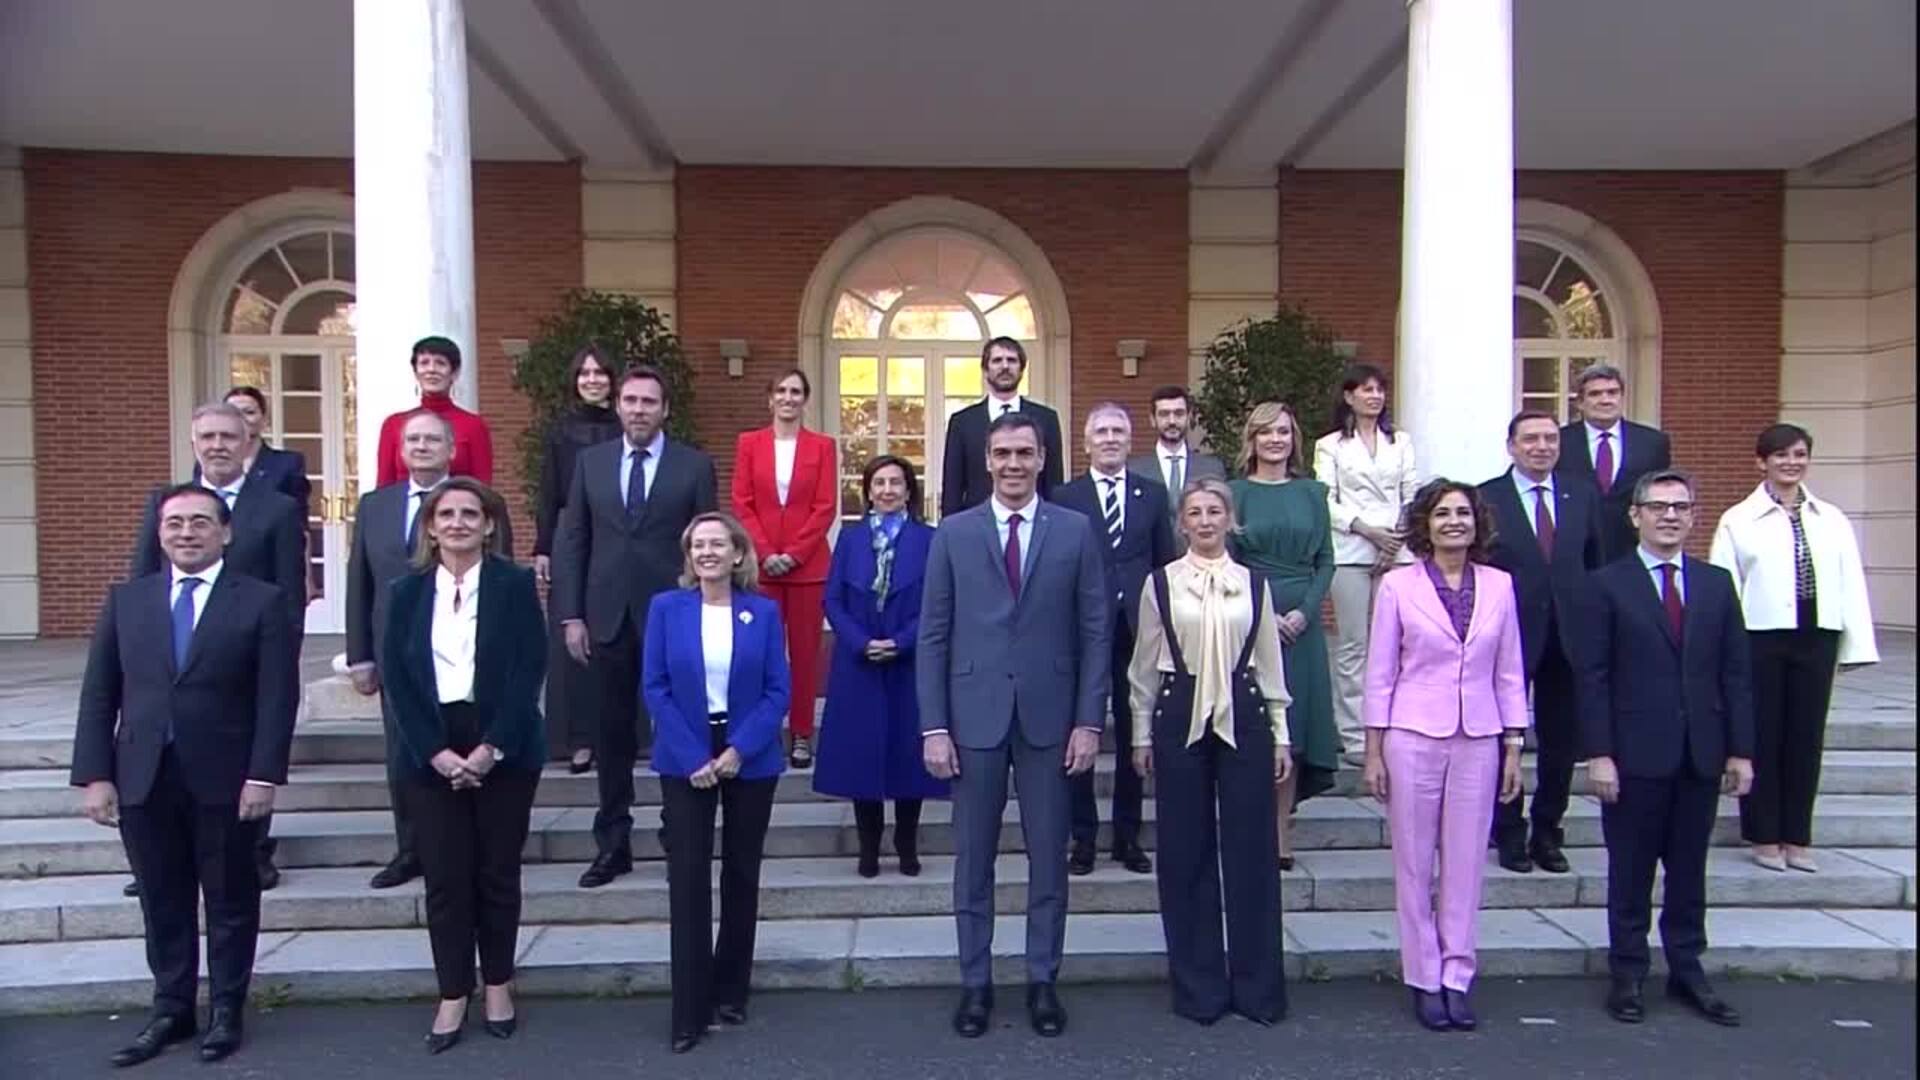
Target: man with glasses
[{"x": 1666, "y": 726}]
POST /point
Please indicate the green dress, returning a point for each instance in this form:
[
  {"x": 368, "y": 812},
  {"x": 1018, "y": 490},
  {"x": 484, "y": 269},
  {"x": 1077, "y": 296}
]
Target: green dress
[{"x": 1287, "y": 535}]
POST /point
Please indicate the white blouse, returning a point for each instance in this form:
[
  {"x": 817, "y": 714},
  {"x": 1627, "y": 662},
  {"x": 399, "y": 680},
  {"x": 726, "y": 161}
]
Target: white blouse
[
  {"x": 716, "y": 649},
  {"x": 1370, "y": 488},
  {"x": 1210, "y": 616},
  {"x": 783, "y": 451},
  {"x": 455, "y": 632},
  {"x": 1755, "y": 544}
]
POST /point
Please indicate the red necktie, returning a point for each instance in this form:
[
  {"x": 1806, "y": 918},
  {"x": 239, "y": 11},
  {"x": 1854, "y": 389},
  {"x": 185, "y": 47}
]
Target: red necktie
[
  {"x": 1542, "y": 521},
  {"x": 1603, "y": 463},
  {"x": 1013, "y": 553},
  {"x": 1670, "y": 596}
]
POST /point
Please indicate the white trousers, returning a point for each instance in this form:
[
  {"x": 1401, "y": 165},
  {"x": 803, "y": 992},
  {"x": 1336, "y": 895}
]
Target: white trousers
[{"x": 1352, "y": 591}]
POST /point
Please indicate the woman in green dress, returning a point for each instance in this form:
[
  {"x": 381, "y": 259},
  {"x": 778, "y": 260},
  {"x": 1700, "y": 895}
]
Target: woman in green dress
[{"x": 1286, "y": 535}]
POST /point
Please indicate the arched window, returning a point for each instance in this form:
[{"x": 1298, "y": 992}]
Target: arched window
[
  {"x": 1563, "y": 322},
  {"x": 908, "y": 323}
]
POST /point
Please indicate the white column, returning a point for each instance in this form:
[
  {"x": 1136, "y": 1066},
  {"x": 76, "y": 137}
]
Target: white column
[
  {"x": 1455, "y": 370},
  {"x": 413, "y": 201}
]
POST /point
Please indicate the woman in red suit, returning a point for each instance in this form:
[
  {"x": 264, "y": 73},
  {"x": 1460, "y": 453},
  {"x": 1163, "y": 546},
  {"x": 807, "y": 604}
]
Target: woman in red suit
[
  {"x": 786, "y": 491},
  {"x": 436, "y": 362}
]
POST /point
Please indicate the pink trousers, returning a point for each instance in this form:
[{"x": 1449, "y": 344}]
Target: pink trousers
[{"x": 1440, "y": 795}]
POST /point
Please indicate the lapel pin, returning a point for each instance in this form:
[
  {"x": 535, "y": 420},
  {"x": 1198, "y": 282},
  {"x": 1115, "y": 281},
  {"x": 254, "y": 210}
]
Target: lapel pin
[{"x": 746, "y": 618}]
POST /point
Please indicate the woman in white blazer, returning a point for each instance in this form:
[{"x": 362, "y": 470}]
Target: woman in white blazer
[
  {"x": 1367, "y": 466},
  {"x": 1796, "y": 565}
]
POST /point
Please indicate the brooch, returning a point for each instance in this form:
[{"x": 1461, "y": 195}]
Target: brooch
[
  {"x": 746, "y": 618},
  {"x": 1137, "y": 493}
]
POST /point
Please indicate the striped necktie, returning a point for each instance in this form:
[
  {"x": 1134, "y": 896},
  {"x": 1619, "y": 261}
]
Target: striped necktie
[{"x": 1110, "y": 509}]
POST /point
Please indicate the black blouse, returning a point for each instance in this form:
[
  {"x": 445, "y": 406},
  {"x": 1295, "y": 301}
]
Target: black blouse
[{"x": 583, "y": 426}]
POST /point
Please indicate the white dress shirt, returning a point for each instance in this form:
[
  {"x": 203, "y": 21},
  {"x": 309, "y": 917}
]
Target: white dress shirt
[
  {"x": 1365, "y": 489},
  {"x": 1102, "y": 483},
  {"x": 1001, "y": 523},
  {"x": 1166, "y": 458},
  {"x": 416, "y": 498},
  {"x": 716, "y": 651},
  {"x": 651, "y": 467},
  {"x": 207, "y": 577},
  {"x": 1618, "y": 433},
  {"x": 1656, "y": 569},
  {"x": 996, "y": 407},
  {"x": 455, "y": 633},
  {"x": 1526, "y": 486},
  {"x": 783, "y": 451},
  {"x": 1755, "y": 543},
  {"x": 228, "y": 494}
]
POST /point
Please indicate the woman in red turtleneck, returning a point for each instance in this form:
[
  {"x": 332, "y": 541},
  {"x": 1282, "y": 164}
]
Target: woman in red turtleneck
[{"x": 436, "y": 361}]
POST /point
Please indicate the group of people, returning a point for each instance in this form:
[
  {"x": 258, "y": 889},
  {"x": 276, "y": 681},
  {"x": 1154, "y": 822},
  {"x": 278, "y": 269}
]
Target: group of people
[{"x": 1150, "y": 594}]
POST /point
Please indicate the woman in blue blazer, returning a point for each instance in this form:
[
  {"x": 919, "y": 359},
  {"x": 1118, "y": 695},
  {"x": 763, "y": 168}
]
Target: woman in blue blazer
[{"x": 716, "y": 683}]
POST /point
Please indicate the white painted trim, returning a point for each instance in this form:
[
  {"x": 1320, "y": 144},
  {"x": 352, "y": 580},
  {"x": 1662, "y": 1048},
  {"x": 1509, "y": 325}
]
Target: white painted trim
[{"x": 1623, "y": 280}]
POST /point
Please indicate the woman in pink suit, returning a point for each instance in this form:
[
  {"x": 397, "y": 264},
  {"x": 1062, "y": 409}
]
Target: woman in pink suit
[
  {"x": 786, "y": 493},
  {"x": 1445, "y": 712}
]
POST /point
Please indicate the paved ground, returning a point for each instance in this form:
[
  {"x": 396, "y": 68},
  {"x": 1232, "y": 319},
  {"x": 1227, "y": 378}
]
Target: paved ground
[{"x": 1342, "y": 1029}]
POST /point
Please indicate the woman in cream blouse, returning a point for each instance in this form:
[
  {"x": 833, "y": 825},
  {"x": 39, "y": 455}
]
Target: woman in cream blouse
[
  {"x": 1367, "y": 466},
  {"x": 1217, "y": 695}
]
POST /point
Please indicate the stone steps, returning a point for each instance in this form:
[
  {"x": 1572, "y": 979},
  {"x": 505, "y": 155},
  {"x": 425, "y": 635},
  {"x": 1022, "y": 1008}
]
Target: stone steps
[
  {"x": 90, "y": 906},
  {"x": 918, "y": 951}
]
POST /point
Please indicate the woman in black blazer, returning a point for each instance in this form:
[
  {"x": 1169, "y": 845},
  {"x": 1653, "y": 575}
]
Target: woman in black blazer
[{"x": 463, "y": 655}]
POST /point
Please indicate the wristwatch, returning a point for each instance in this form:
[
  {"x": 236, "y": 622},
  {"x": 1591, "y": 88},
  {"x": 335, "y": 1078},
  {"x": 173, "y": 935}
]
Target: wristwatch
[{"x": 493, "y": 752}]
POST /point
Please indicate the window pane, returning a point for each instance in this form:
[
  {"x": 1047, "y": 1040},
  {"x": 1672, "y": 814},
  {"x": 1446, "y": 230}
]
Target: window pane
[
  {"x": 248, "y": 312},
  {"x": 300, "y": 371},
  {"x": 308, "y": 256},
  {"x": 250, "y": 369},
  {"x": 1530, "y": 320},
  {"x": 851, "y": 506},
  {"x": 343, "y": 257},
  {"x": 906, "y": 416},
  {"x": 1532, "y": 263},
  {"x": 859, "y": 417},
  {"x": 1540, "y": 375},
  {"x": 1585, "y": 313},
  {"x": 268, "y": 277},
  {"x": 906, "y": 375},
  {"x": 1013, "y": 319},
  {"x": 913, "y": 449},
  {"x": 935, "y": 322},
  {"x": 961, "y": 379},
  {"x": 860, "y": 375},
  {"x": 326, "y": 312},
  {"x": 350, "y": 419},
  {"x": 856, "y": 453},
  {"x": 855, "y": 318},
  {"x": 300, "y": 415},
  {"x": 1553, "y": 405},
  {"x": 311, "y": 447}
]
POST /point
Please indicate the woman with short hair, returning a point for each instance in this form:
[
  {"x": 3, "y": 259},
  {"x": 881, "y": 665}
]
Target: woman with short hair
[{"x": 436, "y": 364}]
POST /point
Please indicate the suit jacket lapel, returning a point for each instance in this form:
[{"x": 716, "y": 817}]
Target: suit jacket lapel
[
  {"x": 486, "y": 634},
  {"x": 1651, "y": 602},
  {"x": 1518, "y": 520},
  {"x": 1041, "y": 527},
  {"x": 154, "y": 615},
  {"x": 1427, "y": 599}
]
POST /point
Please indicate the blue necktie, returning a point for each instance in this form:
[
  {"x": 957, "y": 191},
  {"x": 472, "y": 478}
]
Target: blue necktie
[
  {"x": 637, "y": 483},
  {"x": 183, "y": 622}
]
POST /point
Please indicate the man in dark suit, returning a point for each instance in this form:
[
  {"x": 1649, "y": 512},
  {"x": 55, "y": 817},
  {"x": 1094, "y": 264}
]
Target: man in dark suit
[
  {"x": 385, "y": 528},
  {"x": 284, "y": 471},
  {"x": 1172, "y": 463},
  {"x": 964, "y": 479},
  {"x": 1666, "y": 725},
  {"x": 267, "y": 542},
  {"x": 1129, "y": 512},
  {"x": 185, "y": 724},
  {"x": 618, "y": 545},
  {"x": 1545, "y": 536},
  {"x": 1611, "y": 453},
  {"x": 1012, "y": 673}
]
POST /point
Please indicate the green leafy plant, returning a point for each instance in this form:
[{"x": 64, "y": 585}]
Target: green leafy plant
[
  {"x": 1287, "y": 357},
  {"x": 632, "y": 330}
]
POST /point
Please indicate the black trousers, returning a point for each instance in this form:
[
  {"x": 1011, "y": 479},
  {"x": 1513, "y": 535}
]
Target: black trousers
[
  {"x": 470, "y": 844},
  {"x": 869, "y": 820},
  {"x": 1792, "y": 687},
  {"x": 1198, "y": 851},
  {"x": 400, "y": 777},
  {"x": 572, "y": 695},
  {"x": 182, "y": 851},
  {"x": 1556, "y": 747},
  {"x": 1127, "y": 786},
  {"x": 709, "y": 973},
  {"x": 1667, "y": 822},
  {"x": 622, "y": 732}
]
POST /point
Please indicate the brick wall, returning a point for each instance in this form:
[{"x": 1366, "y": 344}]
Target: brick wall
[
  {"x": 106, "y": 235},
  {"x": 1710, "y": 242},
  {"x": 749, "y": 238}
]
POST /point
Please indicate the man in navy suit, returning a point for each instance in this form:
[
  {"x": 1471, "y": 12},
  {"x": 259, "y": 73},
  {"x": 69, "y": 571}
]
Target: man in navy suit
[
  {"x": 1612, "y": 453},
  {"x": 1129, "y": 515},
  {"x": 964, "y": 478},
  {"x": 1666, "y": 725},
  {"x": 185, "y": 725},
  {"x": 1545, "y": 535},
  {"x": 284, "y": 471}
]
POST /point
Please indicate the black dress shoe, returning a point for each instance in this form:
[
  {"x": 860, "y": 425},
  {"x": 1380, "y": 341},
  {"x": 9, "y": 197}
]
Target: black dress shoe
[
  {"x": 1080, "y": 860},
  {"x": 1431, "y": 1011},
  {"x": 1546, "y": 854},
  {"x": 131, "y": 888},
  {"x": 1513, "y": 856},
  {"x": 1044, "y": 1010},
  {"x": 223, "y": 1033},
  {"x": 976, "y": 1009},
  {"x": 1459, "y": 1009},
  {"x": 579, "y": 767},
  {"x": 153, "y": 1038},
  {"x": 269, "y": 874},
  {"x": 685, "y": 1041},
  {"x": 910, "y": 864},
  {"x": 501, "y": 1029},
  {"x": 439, "y": 1042},
  {"x": 402, "y": 869},
  {"x": 868, "y": 865},
  {"x": 604, "y": 869},
  {"x": 1701, "y": 998},
  {"x": 1285, "y": 862},
  {"x": 730, "y": 1015},
  {"x": 1624, "y": 1002},
  {"x": 1134, "y": 859}
]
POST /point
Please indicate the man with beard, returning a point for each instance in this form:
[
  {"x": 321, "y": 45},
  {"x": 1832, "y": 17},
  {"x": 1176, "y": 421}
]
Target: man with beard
[
  {"x": 963, "y": 471},
  {"x": 1172, "y": 462}
]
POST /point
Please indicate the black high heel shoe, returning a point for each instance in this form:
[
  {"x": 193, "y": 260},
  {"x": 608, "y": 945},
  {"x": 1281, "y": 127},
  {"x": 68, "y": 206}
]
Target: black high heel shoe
[
  {"x": 577, "y": 766},
  {"x": 439, "y": 1042}
]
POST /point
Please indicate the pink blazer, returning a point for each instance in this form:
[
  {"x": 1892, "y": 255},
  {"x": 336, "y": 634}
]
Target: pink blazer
[{"x": 1422, "y": 677}]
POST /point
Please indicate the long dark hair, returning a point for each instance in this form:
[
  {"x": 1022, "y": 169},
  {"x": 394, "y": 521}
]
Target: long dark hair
[
  {"x": 609, "y": 362},
  {"x": 906, "y": 467},
  {"x": 1356, "y": 376},
  {"x": 1417, "y": 521}
]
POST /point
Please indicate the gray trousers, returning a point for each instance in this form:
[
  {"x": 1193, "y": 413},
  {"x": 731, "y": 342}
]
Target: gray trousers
[{"x": 979, "y": 802}]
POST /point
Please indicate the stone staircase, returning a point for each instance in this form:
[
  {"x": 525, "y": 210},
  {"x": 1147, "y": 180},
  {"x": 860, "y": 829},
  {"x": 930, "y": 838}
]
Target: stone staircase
[{"x": 69, "y": 940}]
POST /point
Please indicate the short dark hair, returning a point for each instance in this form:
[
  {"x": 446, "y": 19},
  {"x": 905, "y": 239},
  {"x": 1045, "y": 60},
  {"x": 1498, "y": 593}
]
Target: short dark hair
[
  {"x": 437, "y": 345},
  {"x": 1356, "y": 376},
  {"x": 1780, "y": 437},
  {"x": 1524, "y": 415},
  {"x": 806, "y": 384},
  {"x": 1661, "y": 476},
  {"x": 426, "y": 550},
  {"x": 645, "y": 371},
  {"x": 1010, "y": 421},
  {"x": 873, "y": 467},
  {"x": 169, "y": 494},
  {"x": 1004, "y": 342},
  {"x": 252, "y": 394},
  {"x": 1169, "y": 392},
  {"x": 608, "y": 360},
  {"x": 1417, "y": 524}
]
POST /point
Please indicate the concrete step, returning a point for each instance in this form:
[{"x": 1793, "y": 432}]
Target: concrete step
[
  {"x": 90, "y": 906},
  {"x": 37, "y": 847},
  {"x": 34, "y": 793},
  {"x": 318, "y": 965}
]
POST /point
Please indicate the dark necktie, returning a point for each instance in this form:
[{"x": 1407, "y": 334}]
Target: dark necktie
[
  {"x": 1603, "y": 463},
  {"x": 1177, "y": 475},
  {"x": 183, "y": 622},
  {"x": 413, "y": 517},
  {"x": 1670, "y": 597},
  {"x": 1006, "y": 407},
  {"x": 1013, "y": 553},
  {"x": 1111, "y": 510},
  {"x": 637, "y": 483},
  {"x": 1542, "y": 521}
]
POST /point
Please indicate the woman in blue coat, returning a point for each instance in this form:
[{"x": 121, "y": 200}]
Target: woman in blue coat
[
  {"x": 716, "y": 683},
  {"x": 870, "y": 734}
]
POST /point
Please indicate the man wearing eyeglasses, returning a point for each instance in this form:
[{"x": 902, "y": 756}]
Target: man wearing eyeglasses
[{"x": 1666, "y": 726}]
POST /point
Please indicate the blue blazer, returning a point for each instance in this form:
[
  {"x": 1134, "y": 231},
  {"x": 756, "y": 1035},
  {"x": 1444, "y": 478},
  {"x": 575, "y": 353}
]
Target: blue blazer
[{"x": 673, "y": 684}]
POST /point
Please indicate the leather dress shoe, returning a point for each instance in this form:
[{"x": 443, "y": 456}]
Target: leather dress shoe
[
  {"x": 685, "y": 1041},
  {"x": 1134, "y": 859},
  {"x": 269, "y": 874},
  {"x": 1700, "y": 997},
  {"x": 223, "y": 1033},
  {"x": 976, "y": 1010},
  {"x": 1044, "y": 1010},
  {"x": 1513, "y": 856},
  {"x": 132, "y": 888},
  {"x": 154, "y": 1038},
  {"x": 604, "y": 869},
  {"x": 1431, "y": 1011},
  {"x": 1546, "y": 854},
  {"x": 501, "y": 1029},
  {"x": 439, "y": 1042},
  {"x": 1459, "y": 1009},
  {"x": 1080, "y": 860},
  {"x": 1625, "y": 1003},
  {"x": 910, "y": 863},
  {"x": 402, "y": 869},
  {"x": 730, "y": 1015}
]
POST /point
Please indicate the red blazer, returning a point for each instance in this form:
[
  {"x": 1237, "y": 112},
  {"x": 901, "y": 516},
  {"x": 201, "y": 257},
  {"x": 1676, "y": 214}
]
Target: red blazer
[{"x": 800, "y": 527}]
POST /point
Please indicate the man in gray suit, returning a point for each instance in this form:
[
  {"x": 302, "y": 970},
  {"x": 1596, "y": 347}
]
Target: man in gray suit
[
  {"x": 1012, "y": 673},
  {"x": 1172, "y": 462},
  {"x": 383, "y": 536},
  {"x": 618, "y": 545}
]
